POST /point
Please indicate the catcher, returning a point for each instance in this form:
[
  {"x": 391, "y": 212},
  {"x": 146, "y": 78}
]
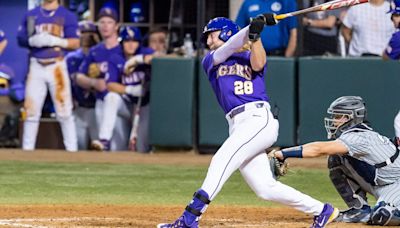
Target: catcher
[{"x": 360, "y": 161}]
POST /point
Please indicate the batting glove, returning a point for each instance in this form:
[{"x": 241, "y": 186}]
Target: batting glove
[
  {"x": 134, "y": 90},
  {"x": 268, "y": 18},
  {"x": 132, "y": 63},
  {"x": 55, "y": 41},
  {"x": 38, "y": 40},
  {"x": 255, "y": 29}
]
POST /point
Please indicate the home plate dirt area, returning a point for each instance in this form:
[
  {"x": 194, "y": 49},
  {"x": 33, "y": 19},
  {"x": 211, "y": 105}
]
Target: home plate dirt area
[{"x": 40, "y": 216}]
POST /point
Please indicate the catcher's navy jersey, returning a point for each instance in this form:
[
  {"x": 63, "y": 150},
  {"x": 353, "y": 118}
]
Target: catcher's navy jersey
[
  {"x": 141, "y": 72},
  {"x": 373, "y": 148},
  {"x": 234, "y": 82},
  {"x": 393, "y": 49},
  {"x": 100, "y": 56},
  {"x": 85, "y": 98},
  {"x": 60, "y": 22}
]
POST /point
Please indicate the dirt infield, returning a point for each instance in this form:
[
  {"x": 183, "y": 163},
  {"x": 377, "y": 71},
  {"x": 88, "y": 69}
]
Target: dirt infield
[{"x": 142, "y": 215}]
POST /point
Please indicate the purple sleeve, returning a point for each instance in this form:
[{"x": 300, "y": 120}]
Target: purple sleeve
[
  {"x": 22, "y": 34},
  {"x": 71, "y": 26},
  {"x": 208, "y": 62},
  {"x": 393, "y": 48},
  {"x": 84, "y": 67},
  {"x": 113, "y": 73}
]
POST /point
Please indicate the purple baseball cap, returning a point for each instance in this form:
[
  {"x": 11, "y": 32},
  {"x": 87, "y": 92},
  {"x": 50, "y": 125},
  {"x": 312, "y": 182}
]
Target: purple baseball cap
[
  {"x": 6, "y": 72},
  {"x": 87, "y": 26},
  {"x": 108, "y": 12}
]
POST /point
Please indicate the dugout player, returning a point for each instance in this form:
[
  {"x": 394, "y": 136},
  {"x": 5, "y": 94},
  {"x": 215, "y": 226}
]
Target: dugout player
[
  {"x": 360, "y": 161},
  {"x": 3, "y": 41},
  {"x": 392, "y": 51},
  {"x": 92, "y": 72},
  {"x": 125, "y": 76},
  {"x": 85, "y": 118},
  {"x": 236, "y": 75},
  {"x": 48, "y": 31}
]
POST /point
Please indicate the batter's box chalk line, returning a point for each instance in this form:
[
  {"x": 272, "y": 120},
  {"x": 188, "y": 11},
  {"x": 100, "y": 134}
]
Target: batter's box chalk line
[{"x": 26, "y": 222}]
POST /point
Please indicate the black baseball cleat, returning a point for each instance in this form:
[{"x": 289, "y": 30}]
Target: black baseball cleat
[{"x": 355, "y": 215}]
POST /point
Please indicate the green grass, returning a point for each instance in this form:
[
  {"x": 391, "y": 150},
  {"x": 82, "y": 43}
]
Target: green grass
[{"x": 88, "y": 183}]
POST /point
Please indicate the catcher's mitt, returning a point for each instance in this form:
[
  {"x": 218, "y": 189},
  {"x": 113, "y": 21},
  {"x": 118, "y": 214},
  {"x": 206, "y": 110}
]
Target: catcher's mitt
[
  {"x": 279, "y": 168},
  {"x": 94, "y": 70}
]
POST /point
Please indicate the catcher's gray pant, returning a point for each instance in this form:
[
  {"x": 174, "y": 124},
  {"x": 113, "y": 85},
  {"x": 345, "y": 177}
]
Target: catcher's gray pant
[
  {"x": 388, "y": 193},
  {"x": 86, "y": 126}
]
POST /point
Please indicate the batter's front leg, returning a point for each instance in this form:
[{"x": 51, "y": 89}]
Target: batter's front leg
[{"x": 258, "y": 176}]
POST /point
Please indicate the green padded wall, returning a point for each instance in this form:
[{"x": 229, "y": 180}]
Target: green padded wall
[
  {"x": 281, "y": 87},
  {"x": 280, "y": 83},
  {"x": 323, "y": 80},
  {"x": 171, "y": 102}
]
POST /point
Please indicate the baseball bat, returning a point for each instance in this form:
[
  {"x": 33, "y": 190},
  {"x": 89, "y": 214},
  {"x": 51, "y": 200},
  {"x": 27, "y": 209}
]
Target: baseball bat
[
  {"x": 135, "y": 122},
  {"x": 336, "y": 4}
]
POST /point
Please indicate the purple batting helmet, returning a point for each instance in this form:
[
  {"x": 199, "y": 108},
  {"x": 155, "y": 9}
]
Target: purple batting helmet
[
  {"x": 130, "y": 33},
  {"x": 227, "y": 27},
  {"x": 395, "y": 7}
]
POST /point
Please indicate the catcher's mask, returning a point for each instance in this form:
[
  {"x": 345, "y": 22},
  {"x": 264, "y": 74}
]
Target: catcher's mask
[{"x": 344, "y": 113}]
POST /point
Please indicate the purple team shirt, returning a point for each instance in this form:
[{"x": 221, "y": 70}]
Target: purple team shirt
[
  {"x": 142, "y": 72},
  {"x": 100, "y": 55},
  {"x": 234, "y": 82},
  {"x": 60, "y": 22},
  {"x": 84, "y": 98},
  {"x": 393, "y": 49}
]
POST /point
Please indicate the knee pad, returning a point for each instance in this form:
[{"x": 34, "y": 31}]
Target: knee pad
[
  {"x": 353, "y": 198},
  {"x": 385, "y": 215},
  {"x": 334, "y": 161}
]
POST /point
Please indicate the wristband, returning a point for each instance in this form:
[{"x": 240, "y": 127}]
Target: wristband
[{"x": 293, "y": 152}]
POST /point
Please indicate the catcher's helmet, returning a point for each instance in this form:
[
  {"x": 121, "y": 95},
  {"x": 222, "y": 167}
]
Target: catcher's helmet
[
  {"x": 345, "y": 112},
  {"x": 395, "y": 7},
  {"x": 227, "y": 27},
  {"x": 130, "y": 33}
]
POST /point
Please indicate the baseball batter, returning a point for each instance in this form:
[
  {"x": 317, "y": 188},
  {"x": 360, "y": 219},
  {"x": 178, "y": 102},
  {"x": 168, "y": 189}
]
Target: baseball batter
[
  {"x": 125, "y": 76},
  {"x": 92, "y": 72},
  {"x": 237, "y": 78},
  {"x": 392, "y": 51},
  {"x": 48, "y": 31},
  {"x": 85, "y": 118},
  {"x": 360, "y": 161}
]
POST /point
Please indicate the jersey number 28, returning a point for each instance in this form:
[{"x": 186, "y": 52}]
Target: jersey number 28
[{"x": 245, "y": 87}]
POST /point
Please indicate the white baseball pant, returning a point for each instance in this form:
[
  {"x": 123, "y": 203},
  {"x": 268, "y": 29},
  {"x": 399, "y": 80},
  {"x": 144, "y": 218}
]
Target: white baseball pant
[
  {"x": 250, "y": 133},
  {"x": 86, "y": 126},
  {"x": 54, "y": 78},
  {"x": 115, "y": 108}
]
